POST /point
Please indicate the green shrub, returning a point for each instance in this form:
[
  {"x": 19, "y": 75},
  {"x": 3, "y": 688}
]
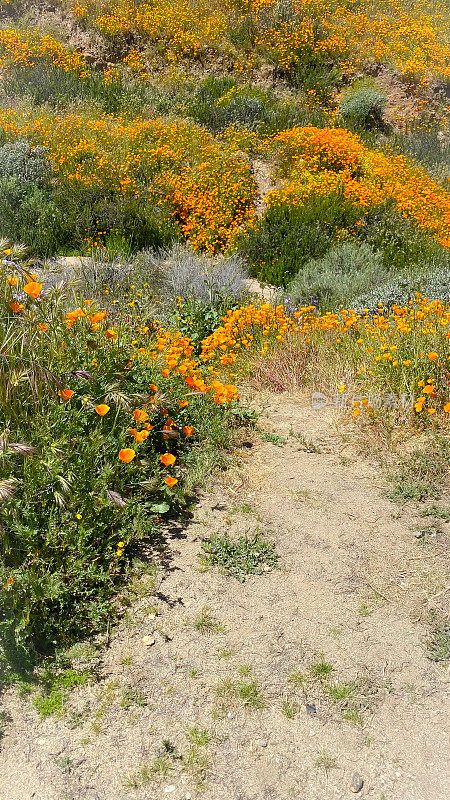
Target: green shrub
[
  {"x": 363, "y": 107},
  {"x": 347, "y": 270},
  {"x": 288, "y": 236},
  {"x": 434, "y": 283}
]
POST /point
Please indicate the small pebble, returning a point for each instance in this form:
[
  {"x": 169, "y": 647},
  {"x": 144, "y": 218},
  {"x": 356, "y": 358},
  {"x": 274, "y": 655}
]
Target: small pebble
[
  {"x": 356, "y": 783},
  {"x": 261, "y": 742},
  {"x": 310, "y": 709},
  {"x": 148, "y": 640},
  {"x": 169, "y": 789}
]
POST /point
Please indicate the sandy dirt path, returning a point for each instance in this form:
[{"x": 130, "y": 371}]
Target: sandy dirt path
[{"x": 354, "y": 590}]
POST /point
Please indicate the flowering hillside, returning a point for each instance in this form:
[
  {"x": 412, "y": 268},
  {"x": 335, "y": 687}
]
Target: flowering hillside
[{"x": 153, "y": 157}]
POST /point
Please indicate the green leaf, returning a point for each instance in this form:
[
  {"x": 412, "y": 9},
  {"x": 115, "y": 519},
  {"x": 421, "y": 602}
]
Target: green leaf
[{"x": 160, "y": 508}]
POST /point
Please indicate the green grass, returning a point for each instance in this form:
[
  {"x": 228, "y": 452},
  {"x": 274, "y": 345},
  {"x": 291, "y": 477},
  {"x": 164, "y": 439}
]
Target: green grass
[
  {"x": 321, "y": 669},
  {"x": 436, "y": 511},
  {"x": 239, "y": 558},
  {"x": 289, "y": 707}
]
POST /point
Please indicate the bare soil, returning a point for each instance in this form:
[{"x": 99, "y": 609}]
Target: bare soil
[{"x": 355, "y": 589}]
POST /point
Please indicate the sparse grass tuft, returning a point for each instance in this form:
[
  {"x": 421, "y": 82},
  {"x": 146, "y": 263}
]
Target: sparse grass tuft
[
  {"x": 289, "y": 707},
  {"x": 246, "y": 691},
  {"x": 321, "y": 669},
  {"x": 207, "y": 624},
  {"x": 439, "y": 643},
  {"x": 325, "y": 761}
]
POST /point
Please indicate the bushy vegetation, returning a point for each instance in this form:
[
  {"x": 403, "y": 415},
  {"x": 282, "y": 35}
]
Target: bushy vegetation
[
  {"x": 101, "y": 430},
  {"x": 363, "y": 107},
  {"x": 334, "y": 281},
  {"x": 287, "y": 236}
]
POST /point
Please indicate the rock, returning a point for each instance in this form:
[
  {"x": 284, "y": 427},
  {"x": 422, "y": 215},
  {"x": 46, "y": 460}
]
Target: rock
[
  {"x": 311, "y": 709},
  {"x": 169, "y": 789},
  {"x": 262, "y": 742},
  {"x": 356, "y": 783},
  {"x": 148, "y": 640}
]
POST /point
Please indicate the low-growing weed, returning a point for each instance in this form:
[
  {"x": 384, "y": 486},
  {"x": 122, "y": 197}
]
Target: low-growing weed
[
  {"x": 320, "y": 668},
  {"x": 422, "y": 475},
  {"x": 244, "y": 556},
  {"x": 273, "y": 438}
]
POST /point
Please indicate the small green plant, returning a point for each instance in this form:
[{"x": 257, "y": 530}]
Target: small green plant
[
  {"x": 207, "y": 624},
  {"x": 132, "y": 697},
  {"x": 308, "y": 444},
  {"x": 198, "y": 736},
  {"x": 250, "y": 694},
  {"x": 289, "y": 707},
  {"x": 297, "y": 679},
  {"x": 340, "y": 691},
  {"x": 246, "y": 691},
  {"x": 244, "y": 556},
  {"x": 273, "y": 438},
  {"x": 436, "y": 511},
  {"x": 55, "y": 688},
  {"x": 320, "y": 669},
  {"x": 439, "y": 643}
]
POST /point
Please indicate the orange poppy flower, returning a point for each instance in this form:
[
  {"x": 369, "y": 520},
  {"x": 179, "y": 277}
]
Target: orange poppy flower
[
  {"x": 433, "y": 356},
  {"x": 98, "y": 317},
  {"x": 139, "y": 415},
  {"x": 16, "y": 307},
  {"x": 171, "y": 481},
  {"x": 33, "y": 289},
  {"x": 447, "y": 408},
  {"x": 168, "y": 459},
  {"x": 111, "y": 333},
  {"x": 102, "y": 409},
  {"x": 66, "y": 394},
  {"x": 42, "y": 327},
  {"x": 126, "y": 455},
  {"x": 153, "y": 388},
  {"x": 139, "y": 436},
  {"x": 188, "y": 430}
]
